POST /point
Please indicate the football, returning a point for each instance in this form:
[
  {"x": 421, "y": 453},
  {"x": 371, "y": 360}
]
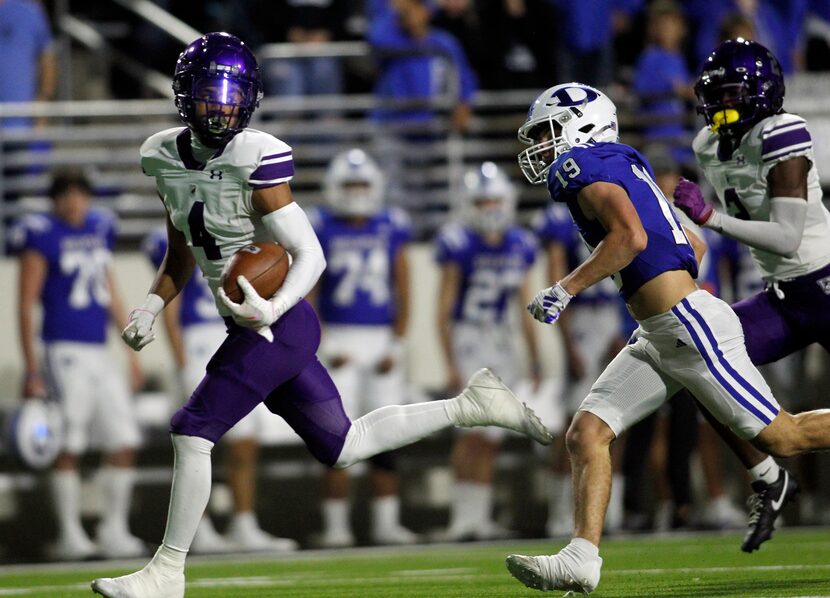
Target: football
[{"x": 263, "y": 264}]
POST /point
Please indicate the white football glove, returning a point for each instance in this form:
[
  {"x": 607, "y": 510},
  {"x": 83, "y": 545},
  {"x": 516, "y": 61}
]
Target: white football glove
[
  {"x": 139, "y": 330},
  {"x": 254, "y": 311},
  {"x": 549, "y": 304}
]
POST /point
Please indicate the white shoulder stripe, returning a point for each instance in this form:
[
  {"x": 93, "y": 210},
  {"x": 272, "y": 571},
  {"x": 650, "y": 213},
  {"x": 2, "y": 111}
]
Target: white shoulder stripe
[
  {"x": 270, "y": 181},
  {"x": 788, "y": 150},
  {"x": 789, "y": 127},
  {"x": 276, "y": 160}
]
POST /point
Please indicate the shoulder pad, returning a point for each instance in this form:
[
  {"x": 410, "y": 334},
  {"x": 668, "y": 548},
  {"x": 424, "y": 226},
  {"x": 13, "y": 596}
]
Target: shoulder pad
[{"x": 454, "y": 236}]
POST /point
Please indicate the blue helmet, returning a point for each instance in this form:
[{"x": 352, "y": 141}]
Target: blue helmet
[
  {"x": 217, "y": 87},
  {"x": 740, "y": 84}
]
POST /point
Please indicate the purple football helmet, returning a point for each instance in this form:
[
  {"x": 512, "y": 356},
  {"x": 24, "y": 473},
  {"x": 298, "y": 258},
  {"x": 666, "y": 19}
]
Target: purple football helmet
[
  {"x": 740, "y": 84},
  {"x": 217, "y": 87}
]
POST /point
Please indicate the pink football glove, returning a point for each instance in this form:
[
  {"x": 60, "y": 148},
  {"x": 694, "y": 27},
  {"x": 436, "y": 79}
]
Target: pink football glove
[{"x": 689, "y": 199}]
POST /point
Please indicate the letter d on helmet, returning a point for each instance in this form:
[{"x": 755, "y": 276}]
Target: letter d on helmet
[{"x": 561, "y": 117}]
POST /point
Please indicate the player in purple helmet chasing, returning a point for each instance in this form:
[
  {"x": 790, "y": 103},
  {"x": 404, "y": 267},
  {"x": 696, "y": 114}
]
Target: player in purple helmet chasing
[
  {"x": 686, "y": 338},
  {"x": 760, "y": 161},
  {"x": 225, "y": 186}
]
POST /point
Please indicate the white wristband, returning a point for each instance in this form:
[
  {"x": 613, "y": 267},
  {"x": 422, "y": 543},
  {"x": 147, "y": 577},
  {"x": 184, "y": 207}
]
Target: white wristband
[{"x": 153, "y": 303}]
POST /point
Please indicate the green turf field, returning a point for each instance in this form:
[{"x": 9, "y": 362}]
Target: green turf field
[{"x": 795, "y": 563}]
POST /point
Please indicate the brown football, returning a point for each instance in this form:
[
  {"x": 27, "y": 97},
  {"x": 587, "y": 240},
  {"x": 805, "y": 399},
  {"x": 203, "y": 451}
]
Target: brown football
[{"x": 263, "y": 264}]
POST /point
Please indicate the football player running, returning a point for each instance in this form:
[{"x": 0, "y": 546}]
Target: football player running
[
  {"x": 195, "y": 330},
  {"x": 225, "y": 186},
  {"x": 686, "y": 338},
  {"x": 485, "y": 259},
  {"x": 760, "y": 161},
  {"x": 363, "y": 301}
]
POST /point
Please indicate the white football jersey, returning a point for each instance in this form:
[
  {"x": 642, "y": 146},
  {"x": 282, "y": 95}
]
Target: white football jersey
[
  {"x": 741, "y": 186},
  {"x": 211, "y": 203}
]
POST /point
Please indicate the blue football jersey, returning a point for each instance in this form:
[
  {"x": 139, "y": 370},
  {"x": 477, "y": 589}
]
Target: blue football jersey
[
  {"x": 76, "y": 294},
  {"x": 667, "y": 248},
  {"x": 357, "y": 286},
  {"x": 197, "y": 305},
  {"x": 555, "y": 225},
  {"x": 491, "y": 275}
]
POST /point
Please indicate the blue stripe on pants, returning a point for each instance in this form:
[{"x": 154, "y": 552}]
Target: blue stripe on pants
[
  {"x": 722, "y": 359},
  {"x": 702, "y": 350}
]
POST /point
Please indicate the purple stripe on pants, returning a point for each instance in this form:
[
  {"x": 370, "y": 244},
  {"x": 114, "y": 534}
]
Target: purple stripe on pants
[{"x": 247, "y": 369}]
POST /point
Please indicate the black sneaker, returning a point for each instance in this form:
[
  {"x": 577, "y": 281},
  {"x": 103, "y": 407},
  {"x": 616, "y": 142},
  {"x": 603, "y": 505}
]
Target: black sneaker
[{"x": 765, "y": 506}]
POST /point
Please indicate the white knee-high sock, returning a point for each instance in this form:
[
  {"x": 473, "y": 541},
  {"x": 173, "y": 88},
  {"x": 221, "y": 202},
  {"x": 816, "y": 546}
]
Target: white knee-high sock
[
  {"x": 615, "y": 511},
  {"x": 336, "y": 516},
  {"x": 386, "y": 513},
  {"x": 392, "y": 427},
  {"x": 560, "y": 496},
  {"x": 472, "y": 506},
  {"x": 66, "y": 496},
  {"x": 190, "y": 491},
  {"x": 117, "y": 489}
]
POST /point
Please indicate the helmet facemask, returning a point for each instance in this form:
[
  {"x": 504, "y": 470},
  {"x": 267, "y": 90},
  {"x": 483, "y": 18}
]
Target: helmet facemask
[
  {"x": 216, "y": 106},
  {"x": 354, "y": 185},
  {"x": 546, "y": 144},
  {"x": 560, "y": 118},
  {"x": 489, "y": 200},
  {"x": 730, "y": 107}
]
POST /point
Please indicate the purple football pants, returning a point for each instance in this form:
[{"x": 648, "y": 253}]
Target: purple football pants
[
  {"x": 285, "y": 374},
  {"x": 775, "y": 328}
]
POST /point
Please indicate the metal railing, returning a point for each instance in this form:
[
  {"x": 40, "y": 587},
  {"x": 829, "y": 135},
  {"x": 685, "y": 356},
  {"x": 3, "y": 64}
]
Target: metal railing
[{"x": 424, "y": 160}]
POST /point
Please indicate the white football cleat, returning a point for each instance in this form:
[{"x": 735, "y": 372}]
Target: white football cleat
[
  {"x": 395, "y": 536},
  {"x": 150, "y": 582},
  {"x": 119, "y": 544},
  {"x": 722, "y": 514},
  {"x": 486, "y": 401},
  {"x": 333, "y": 539},
  {"x": 208, "y": 541},
  {"x": 560, "y": 527},
  {"x": 77, "y": 547},
  {"x": 246, "y": 535},
  {"x": 556, "y": 572}
]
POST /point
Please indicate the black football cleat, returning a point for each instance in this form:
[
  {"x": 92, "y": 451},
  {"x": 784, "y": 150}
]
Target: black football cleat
[{"x": 765, "y": 506}]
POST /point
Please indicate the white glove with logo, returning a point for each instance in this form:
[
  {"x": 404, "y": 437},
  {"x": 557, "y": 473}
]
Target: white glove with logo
[
  {"x": 254, "y": 311},
  {"x": 139, "y": 330},
  {"x": 549, "y": 304}
]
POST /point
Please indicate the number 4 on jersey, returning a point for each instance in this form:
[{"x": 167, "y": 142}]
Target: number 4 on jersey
[
  {"x": 734, "y": 206},
  {"x": 199, "y": 235}
]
